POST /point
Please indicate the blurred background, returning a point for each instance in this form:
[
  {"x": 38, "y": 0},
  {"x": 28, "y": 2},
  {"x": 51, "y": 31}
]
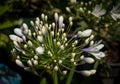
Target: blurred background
[{"x": 14, "y": 12}]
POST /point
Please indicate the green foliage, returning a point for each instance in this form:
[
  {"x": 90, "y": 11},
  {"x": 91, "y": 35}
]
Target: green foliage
[
  {"x": 43, "y": 81},
  {"x": 3, "y": 40}
]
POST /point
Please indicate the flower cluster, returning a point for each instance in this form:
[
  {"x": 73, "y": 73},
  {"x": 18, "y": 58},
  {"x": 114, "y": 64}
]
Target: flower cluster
[
  {"x": 53, "y": 46},
  {"x": 97, "y": 10}
]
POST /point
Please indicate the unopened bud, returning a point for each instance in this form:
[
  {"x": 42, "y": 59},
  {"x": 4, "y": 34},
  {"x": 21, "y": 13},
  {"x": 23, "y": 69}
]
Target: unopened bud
[
  {"x": 56, "y": 68},
  {"x": 65, "y": 72},
  {"x": 19, "y": 63},
  {"x": 85, "y": 73},
  {"x": 89, "y": 60}
]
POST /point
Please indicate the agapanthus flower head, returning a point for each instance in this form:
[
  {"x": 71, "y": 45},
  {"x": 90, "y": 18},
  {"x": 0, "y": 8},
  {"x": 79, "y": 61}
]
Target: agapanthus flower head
[{"x": 51, "y": 46}]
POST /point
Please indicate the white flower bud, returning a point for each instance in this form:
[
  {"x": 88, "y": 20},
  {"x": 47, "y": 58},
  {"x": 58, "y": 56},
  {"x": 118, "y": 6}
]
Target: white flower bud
[
  {"x": 40, "y": 50},
  {"x": 93, "y": 71},
  {"x": 73, "y": 45},
  {"x": 15, "y": 38},
  {"x": 91, "y": 43},
  {"x": 81, "y": 3},
  {"x": 87, "y": 41},
  {"x": 38, "y": 19},
  {"x": 85, "y": 73},
  {"x": 43, "y": 30},
  {"x": 68, "y": 9},
  {"x": 49, "y": 53},
  {"x": 25, "y": 26},
  {"x": 36, "y": 57},
  {"x": 37, "y": 23},
  {"x": 82, "y": 57},
  {"x": 54, "y": 40},
  {"x": 18, "y": 57},
  {"x": 40, "y": 38},
  {"x": 53, "y": 25},
  {"x": 71, "y": 23},
  {"x": 65, "y": 72},
  {"x": 35, "y": 62},
  {"x": 56, "y": 68},
  {"x": 84, "y": 8},
  {"x": 75, "y": 42},
  {"x": 58, "y": 43},
  {"x": 75, "y": 63},
  {"x": 73, "y": 55},
  {"x": 70, "y": 19},
  {"x": 24, "y": 38},
  {"x": 90, "y": 2},
  {"x": 89, "y": 12},
  {"x": 29, "y": 33},
  {"x": 25, "y": 46},
  {"x": 23, "y": 52},
  {"x": 16, "y": 44},
  {"x": 79, "y": 33},
  {"x": 62, "y": 47},
  {"x": 30, "y": 43},
  {"x": 107, "y": 25},
  {"x": 64, "y": 34},
  {"x": 46, "y": 17},
  {"x": 42, "y": 16},
  {"x": 18, "y": 31},
  {"x": 91, "y": 37},
  {"x": 29, "y": 62},
  {"x": 55, "y": 61},
  {"x": 89, "y": 60},
  {"x": 19, "y": 63},
  {"x": 72, "y": 59},
  {"x": 34, "y": 34},
  {"x": 60, "y": 61},
  {"x": 81, "y": 9},
  {"x": 60, "y": 21},
  {"x": 52, "y": 32},
  {"x": 73, "y": 1},
  {"x": 56, "y": 17},
  {"x": 39, "y": 32},
  {"x": 63, "y": 29},
  {"x": 32, "y": 23},
  {"x": 86, "y": 33},
  {"x": 65, "y": 39},
  {"x": 66, "y": 44}
]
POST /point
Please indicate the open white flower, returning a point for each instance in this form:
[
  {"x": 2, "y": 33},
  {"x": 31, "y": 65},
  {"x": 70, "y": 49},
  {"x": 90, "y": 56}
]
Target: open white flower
[
  {"x": 115, "y": 13},
  {"x": 98, "y": 11},
  {"x": 85, "y": 33},
  {"x": 95, "y": 50},
  {"x": 40, "y": 50}
]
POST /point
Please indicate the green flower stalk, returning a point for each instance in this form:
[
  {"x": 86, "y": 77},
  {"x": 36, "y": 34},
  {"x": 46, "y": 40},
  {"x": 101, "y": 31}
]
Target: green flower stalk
[{"x": 52, "y": 46}]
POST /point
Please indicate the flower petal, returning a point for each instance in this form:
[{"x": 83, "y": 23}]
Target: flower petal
[
  {"x": 98, "y": 55},
  {"x": 89, "y": 60},
  {"x": 85, "y": 73},
  {"x": 86, "y": 33},
  {"x": 15, "y": 38},
  {"x": 18, "y": 31}
]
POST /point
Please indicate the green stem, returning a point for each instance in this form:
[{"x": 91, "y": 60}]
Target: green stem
[
  {"x": 69, "y": 79},
  {"x": 55, "y": 78}
]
